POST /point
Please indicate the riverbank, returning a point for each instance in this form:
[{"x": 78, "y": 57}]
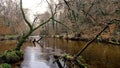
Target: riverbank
[
  {"x": 86, "y": 37},
  {"x": 73, "y": 37},
  {"x": 9, "y": 37},
  {"x": 10, "y": 57},
  {"x": 6, "y": 49}
]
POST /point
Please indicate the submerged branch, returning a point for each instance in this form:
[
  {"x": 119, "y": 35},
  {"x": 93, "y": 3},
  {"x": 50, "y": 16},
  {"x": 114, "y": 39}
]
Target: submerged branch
[{"x": 58, "y": 62}]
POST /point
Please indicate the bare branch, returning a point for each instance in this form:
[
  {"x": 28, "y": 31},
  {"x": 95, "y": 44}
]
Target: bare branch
[
  {"x": 61, "y": 24},
  {"x": 87, "y": 44},
  {"x": 89, "y": 9},
  {"x": 67, "y": 5},
  {"x": 50, "y": 7},
  {"x": 86, "y": 13},
  {"x": 27, "y": 22},
  {"x": 53, "y": 12},
  {"x": 42, "y": 24},
  {"x": 34, "y": 21},
  {"x": 55, "y": 9}
]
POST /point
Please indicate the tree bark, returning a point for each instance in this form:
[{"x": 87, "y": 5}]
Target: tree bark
[{"x": 22, "y": 40}]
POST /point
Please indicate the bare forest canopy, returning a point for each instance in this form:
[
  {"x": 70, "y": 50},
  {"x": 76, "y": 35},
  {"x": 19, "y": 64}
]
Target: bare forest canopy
[
  {"x": 86, "y": 17},
  {"x": 11, "y": 20}
]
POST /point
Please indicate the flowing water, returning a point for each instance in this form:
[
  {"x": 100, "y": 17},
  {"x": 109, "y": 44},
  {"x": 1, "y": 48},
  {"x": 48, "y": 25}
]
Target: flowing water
[{"x": 97, "y": 55}]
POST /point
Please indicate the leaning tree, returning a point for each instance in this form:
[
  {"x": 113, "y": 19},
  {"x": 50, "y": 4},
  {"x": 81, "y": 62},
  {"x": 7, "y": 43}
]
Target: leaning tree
[{"x": 33, "y": 28}]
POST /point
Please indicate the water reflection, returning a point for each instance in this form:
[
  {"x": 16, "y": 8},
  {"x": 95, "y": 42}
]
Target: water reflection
[
  {"x": 37, "y": 57},
  {"x": 34, "y": 58},
  {"x": 10, "y": 44},
  {"x": 97, "y": 55}
]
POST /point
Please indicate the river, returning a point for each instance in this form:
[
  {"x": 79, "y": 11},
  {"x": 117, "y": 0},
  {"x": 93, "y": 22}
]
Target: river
[{"x": 97, "y": 55}]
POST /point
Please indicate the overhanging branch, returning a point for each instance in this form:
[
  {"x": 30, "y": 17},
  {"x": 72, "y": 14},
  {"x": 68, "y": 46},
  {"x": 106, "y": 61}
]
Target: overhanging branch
[{"x": 87, "y": 44}]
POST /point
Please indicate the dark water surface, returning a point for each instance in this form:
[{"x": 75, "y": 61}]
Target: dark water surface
[{"x": 97, "y": 55}]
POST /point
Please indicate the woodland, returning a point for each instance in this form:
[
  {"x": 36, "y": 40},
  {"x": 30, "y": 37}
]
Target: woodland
[{"x": 76, "y": 20}]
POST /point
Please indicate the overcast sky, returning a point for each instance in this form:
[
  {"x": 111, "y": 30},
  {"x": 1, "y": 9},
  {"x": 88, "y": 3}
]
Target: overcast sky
[
  {"x": 35, "y": 6},
  {"x": 39, "y": 6}
]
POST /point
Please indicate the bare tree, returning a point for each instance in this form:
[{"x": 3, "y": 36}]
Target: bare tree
[
  {"x": 31, "y": 28},
  {"x": 10, "y": 17}
]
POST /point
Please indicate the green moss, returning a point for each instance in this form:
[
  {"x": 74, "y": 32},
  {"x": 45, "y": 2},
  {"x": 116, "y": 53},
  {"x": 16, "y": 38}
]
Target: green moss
[
  {"x": 11, "y": 56},
  {"x": 5, "y": 65},
  {"x": 19, "y": 53}
]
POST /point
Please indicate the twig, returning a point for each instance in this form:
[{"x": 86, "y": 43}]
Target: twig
[
  {"x": 67, "y": 5},
  {"x": 39, "y": 39},
  {"x": 34, "y": 21}
]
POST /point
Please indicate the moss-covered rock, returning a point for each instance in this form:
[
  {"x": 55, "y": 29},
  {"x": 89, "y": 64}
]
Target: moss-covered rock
[
  {"x": 5, "y": 65},
  {"x": 11, "y": 56}
]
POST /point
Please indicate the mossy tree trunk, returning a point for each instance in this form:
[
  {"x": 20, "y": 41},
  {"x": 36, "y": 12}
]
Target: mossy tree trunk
[
  {"x": 22, "y": 40},
  {"x": 32, "y": 29}
]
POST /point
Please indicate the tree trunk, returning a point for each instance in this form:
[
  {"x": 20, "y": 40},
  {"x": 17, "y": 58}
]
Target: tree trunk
[{"x": 22, "y": 40}]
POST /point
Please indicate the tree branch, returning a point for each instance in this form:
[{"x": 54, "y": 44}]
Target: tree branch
[
  {"x": 42, "y": 24},
  {"x": 50, "y": 7},
  {"x": 67, "y": 5},
  {"x": 87, "y": 44},
  {"x": 27, "y": 22},
  {"x": 34, "y": 21},
  {"x": 62, "y": 24}
]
